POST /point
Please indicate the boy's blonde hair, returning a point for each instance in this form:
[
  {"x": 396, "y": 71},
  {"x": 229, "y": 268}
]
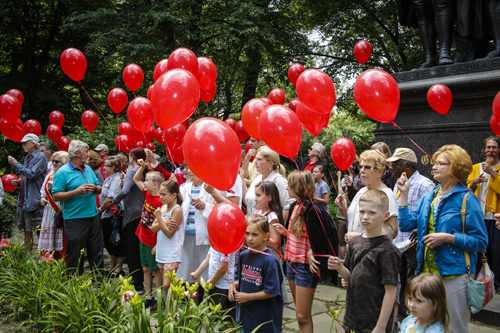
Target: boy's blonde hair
[
  {"x": 376, "y": 197},
  {"x": 260, "y": 220},
  {"x": 157, "y": 176},
  {"x": 431, "y": 287}
]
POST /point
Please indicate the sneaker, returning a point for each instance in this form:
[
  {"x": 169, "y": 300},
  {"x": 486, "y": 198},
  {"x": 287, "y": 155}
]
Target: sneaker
[
  {"x": 149, "y": 302},
  {"x": 153, "y": 307}
]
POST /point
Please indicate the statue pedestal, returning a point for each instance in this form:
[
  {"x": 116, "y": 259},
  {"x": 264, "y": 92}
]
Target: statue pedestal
[{"x": 473, "y": 85}]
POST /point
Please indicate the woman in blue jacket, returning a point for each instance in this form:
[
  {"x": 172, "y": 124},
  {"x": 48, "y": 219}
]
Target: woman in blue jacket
[{"x": 441, "y": 242}]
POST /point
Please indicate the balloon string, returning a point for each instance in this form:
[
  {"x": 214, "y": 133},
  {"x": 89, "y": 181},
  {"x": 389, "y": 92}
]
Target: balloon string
[
  {"x": 314, "y": 206},
  {"x": 96, "y": 106},
  {"x": 134, "y": 94},
  {"x": 277, "y": 250},
  {"x": 464, "y": 139},
  {"x": 4, "y": 145},
  {"x": 468, "y": 188},
  {"x": 90, "y": 134},
  {"x": 333, "y": 181},
  {"x": 208, "y": 110}
]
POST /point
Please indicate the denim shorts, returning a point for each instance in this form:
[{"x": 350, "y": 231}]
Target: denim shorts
[{"x": 302, "y": 275}]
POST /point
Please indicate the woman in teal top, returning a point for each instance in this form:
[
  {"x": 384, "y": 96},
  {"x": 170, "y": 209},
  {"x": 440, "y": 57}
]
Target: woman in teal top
[{"x": 441, "y": 243}]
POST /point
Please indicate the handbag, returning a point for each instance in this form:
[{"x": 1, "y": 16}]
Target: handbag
[
  {"x": 115, "y": 238},
  {"x": 58, "y": 218},
  {"x": 481, "y": 289}
]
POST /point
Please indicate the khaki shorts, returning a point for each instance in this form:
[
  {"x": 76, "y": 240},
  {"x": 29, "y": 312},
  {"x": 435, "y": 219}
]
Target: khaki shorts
[{"x": 29, "y": 221}]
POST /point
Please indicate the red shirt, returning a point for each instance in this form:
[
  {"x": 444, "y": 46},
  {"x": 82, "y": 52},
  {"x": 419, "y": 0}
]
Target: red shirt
[
  {"x": 151, "y": 203},
  {"x": 309, "y": 167},
  {"x": 101, "y": 168}
]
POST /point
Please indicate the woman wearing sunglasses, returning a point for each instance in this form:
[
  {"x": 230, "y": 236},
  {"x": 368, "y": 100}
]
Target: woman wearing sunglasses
[
  {"x": 371, "y": 168},
  {"x": 51, "y": 238}
]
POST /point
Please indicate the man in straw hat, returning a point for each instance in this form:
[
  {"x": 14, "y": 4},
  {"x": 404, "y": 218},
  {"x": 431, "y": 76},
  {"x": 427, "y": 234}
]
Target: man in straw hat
[{"x": 33, "y": 172}]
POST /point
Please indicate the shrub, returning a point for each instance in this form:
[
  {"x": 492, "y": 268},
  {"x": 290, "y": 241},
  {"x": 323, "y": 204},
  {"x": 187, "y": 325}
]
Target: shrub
[{"x": 8, "y": 214}]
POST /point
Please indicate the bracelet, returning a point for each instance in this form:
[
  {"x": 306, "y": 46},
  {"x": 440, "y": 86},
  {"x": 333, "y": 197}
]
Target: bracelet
[{"x": 403, "y": 206}]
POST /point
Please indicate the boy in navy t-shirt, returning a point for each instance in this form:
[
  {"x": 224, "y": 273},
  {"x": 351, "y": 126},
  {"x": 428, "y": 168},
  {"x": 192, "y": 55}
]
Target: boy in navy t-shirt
[{"x": 258, "y": 281}]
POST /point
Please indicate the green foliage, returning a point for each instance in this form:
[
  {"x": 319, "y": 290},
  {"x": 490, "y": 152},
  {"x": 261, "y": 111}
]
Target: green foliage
[{"x": 8, "y": 214}]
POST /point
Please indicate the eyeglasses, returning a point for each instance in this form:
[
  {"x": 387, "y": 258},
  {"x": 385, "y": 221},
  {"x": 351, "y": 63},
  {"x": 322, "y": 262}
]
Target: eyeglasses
[
  {"x": 56, "y": 161},
  {"x": 108, "y": 165},
  {"x": 366, "y": 167},
  {"x": 438, "y": 164}
]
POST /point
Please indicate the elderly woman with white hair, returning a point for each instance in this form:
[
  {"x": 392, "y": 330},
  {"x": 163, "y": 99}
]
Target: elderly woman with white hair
[{"x": 268, "y": 164}]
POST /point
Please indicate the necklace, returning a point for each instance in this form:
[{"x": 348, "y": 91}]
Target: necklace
[{"x": 442, "y": 195}]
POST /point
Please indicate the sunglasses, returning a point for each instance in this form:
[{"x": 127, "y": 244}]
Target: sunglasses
[
  {"x": 56, "y": 161},
  {"x": 366, "y": 167}
]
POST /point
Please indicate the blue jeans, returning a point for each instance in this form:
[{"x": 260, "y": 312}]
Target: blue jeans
[{"x": 301, "y": 274}]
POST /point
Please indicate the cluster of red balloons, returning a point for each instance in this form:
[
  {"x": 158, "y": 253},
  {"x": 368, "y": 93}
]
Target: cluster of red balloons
[
  {"x": 10, "y": 111},
  {"x": 54, "y": 131},
  {"x": 494, "y": 124}
]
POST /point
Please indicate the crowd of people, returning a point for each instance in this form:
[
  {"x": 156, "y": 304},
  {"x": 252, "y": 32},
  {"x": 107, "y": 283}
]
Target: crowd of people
[{"x": 399, "y": 245}]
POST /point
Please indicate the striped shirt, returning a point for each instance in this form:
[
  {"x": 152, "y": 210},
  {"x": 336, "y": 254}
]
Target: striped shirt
[
  {"x": 195, "y": 193},
  {"x": 419, "y": 186},
  {"x": 215, "y": 259},
  {"x": 297, "y": 247}
]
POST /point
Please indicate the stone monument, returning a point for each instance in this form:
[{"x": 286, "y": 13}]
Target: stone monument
[{"x": 473, "y": 84}]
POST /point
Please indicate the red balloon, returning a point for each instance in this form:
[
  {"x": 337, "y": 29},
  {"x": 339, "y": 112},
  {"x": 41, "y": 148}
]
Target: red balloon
[
  {"x": 277, "y": 96},
  {"x": 377, "y": 95},
  {"x": 17, "y": 94},
  {"x": 125, "y": 129},
  {"x": 150, "y": 91},
  {"x": 151, "y": 147},
  {"x": 280, "y": 129},
  {"x": 10, "y": 108},
  {"x": 247, "y": 147},
  {"x": 207, "y": 95},
  {"x": 226, "y": 228},
  {"x": 7, "y": 182},
  {"x": 185, "y": 123},
  {"x": 266, "y": 100},
  {"x": 150, "y": 134},
  {"x": 177, "y": 155},
  {"x": 160, "y": 136},
  {"x": 210, "y": 144},
  {"x": 15, "y": 131},
  {"x": 63, "y": 143},
  {"x": 439, "y": 98},
  {"x": 294, "y": 72},
  {"x": 362, "y": 51},
  {"x": 495, "y": 126},
  {"x": 293, "y": 104},
  {"x": 174, "y": 136},
  {"x": 140, "y": 143},
  {"x": 140, "y": 114},
  {"x": 496, "y": 105},
  {"x": 133, "y": 76},
  {"x": 185, "y": 59},
  {"x": 250, "y": 116},
  {"x": 32, "y": 126},
  {"x": 54, "y": 133},
  {"x": 175, "y": 96},
  {"x": 160, "y": 68},
  {"x": 240, "y": 131},
  {"x": 90, "y": 120},
  {"x": 123, "y": 143},
  {"x": 56, "y": 118},
  {"x": 117, "y": 100},
  {"x": 137, "y": 135},
  {"x": 311, "y": 121},
  {"x": 231, "y": 122},
  {"x": 343, "y": 153},
  {"x": 74, "y": 64},
  {"x": 316, "y": 90},
  {"x": 207, "y": 73}
]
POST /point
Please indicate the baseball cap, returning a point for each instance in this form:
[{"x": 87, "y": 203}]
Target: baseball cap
[
  {"x": 101, "y": 147},
  {"x": 403, "y": 154},
  {"x": 33, "y": 138}
]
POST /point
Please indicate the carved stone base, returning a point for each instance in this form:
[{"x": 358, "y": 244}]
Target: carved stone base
[{"x": 473, "y": 84}]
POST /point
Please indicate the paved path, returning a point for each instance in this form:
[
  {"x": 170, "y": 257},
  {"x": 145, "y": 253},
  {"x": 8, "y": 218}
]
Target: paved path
[{"x": 330, "y": 298}]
